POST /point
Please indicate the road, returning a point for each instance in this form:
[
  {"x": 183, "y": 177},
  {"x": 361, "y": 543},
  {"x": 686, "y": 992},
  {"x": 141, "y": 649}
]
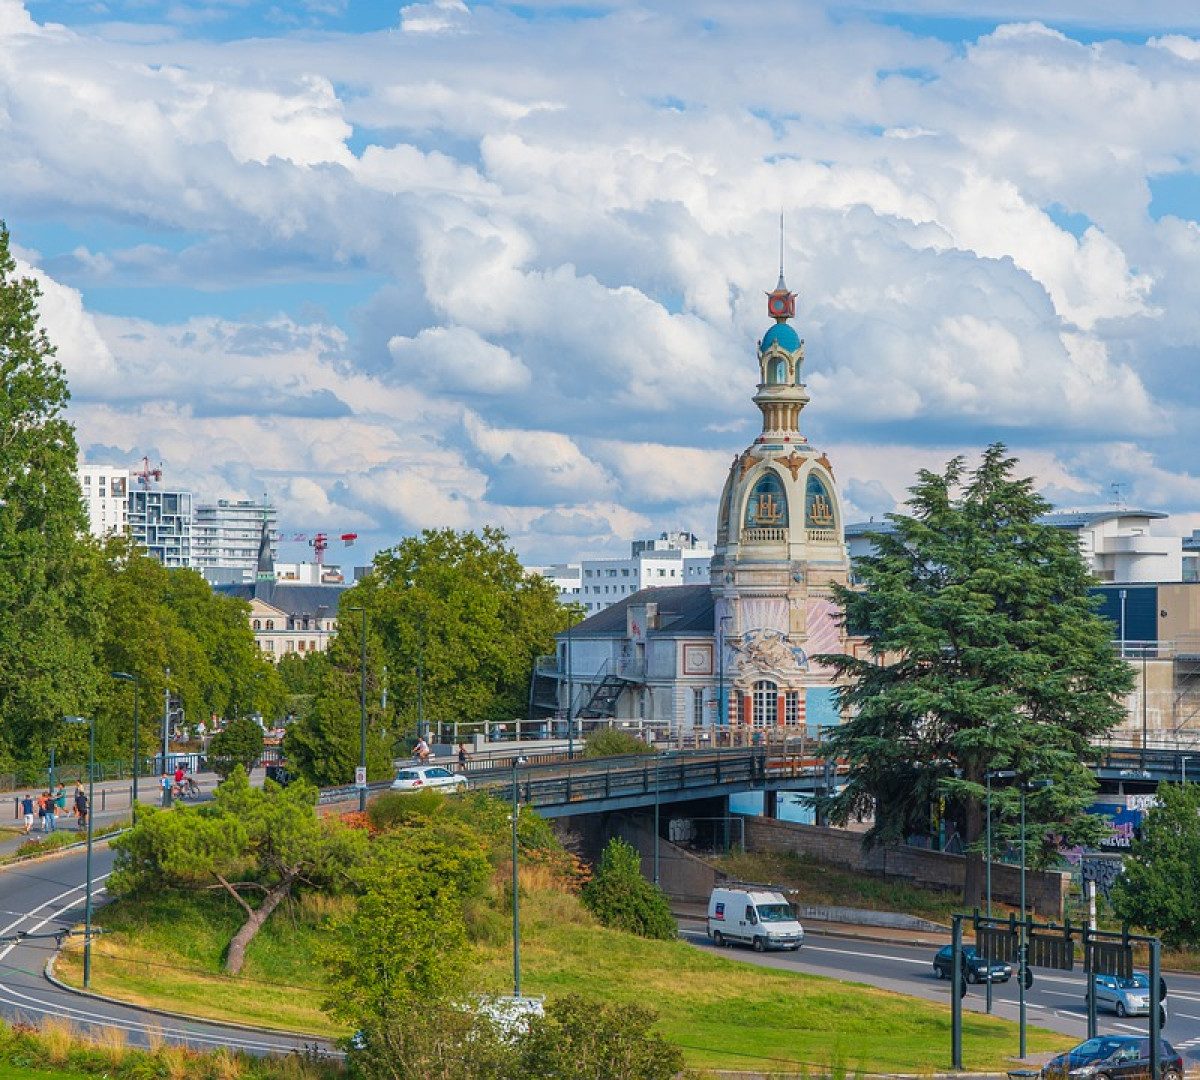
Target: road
[
  {"x": 49, "y": 895},
  {"x": 1055, "y": 1001}
]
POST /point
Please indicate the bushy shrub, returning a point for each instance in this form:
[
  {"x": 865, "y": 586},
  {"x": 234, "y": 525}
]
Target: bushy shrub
[
  {"x": 620, "y": 897},
  {"x": 612, "y": 742}
]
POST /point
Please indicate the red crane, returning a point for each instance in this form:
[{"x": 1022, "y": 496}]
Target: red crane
[
  {"x": 319, "y": 542},
  {"x": 145, "y": 474}
]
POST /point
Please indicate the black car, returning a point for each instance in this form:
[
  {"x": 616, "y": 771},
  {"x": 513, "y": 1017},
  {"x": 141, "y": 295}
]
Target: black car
[
  {"x": 1114, "y": 1057},
  {"x": 975, "y": 967}
]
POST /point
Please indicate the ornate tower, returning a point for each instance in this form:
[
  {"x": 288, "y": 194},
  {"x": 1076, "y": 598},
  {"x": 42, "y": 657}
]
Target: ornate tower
[{"x": 780, "y": 546}]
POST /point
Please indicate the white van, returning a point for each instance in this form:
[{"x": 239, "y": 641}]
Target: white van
[{"x": 753, "y": 915}]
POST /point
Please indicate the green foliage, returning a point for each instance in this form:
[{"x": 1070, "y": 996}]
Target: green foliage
[
  {"x": 457, "y": 613},
  {"x": 261, "y": 843},
  {"x": 1160, "y": 888},
  {"x": 985, "y": 652},
  {"x": 240, "y": 743},
  {"x": 620, "y": 897},
  {"x": 611, "y": 742},
  {"x": 583, "y": 1039}
]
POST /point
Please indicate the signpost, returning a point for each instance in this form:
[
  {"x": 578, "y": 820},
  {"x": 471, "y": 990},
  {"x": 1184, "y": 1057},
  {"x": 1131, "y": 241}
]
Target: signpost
[
  {"x": 1048, "y": 945},
  {"x": 360, "y": 776}
]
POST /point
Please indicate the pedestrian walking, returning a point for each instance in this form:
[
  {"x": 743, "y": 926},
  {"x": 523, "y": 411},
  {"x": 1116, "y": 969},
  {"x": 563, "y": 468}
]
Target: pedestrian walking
[
  {"x": 43, "y": 808},
  {"x": 27, "y": 810},
  {"x": 60, "y": 802},
  {"x": 462, "y": 757},
  {"x": 81, "y": 808},
  {"x": 50, "y": 811},
  {"x": 165, "y": 784}
]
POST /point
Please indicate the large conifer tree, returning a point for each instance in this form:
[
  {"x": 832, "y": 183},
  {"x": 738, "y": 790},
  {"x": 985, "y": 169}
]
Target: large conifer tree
[{"x": 984, "y": 652}]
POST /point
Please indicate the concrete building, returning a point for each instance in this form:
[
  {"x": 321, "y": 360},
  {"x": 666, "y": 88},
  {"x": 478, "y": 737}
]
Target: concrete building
[
  {"x": 161, "y": 522},
  {"x": 308, "y": 573},
  {"x": 737, "y": 647},
  {"x": 105, "y": 491},
  {"x": 672, "y": 558},
  {"x": 225, "y": 538}
]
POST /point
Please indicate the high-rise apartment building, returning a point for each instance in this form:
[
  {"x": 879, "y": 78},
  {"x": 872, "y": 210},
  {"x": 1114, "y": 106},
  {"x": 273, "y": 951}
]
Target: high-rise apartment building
[
  {"x": 225, "y": 538},
  {"x": 105, "y": 497},
  {"x": 161, "y": 522}
]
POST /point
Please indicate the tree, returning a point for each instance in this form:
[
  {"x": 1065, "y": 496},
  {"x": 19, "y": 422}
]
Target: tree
[
  {"x": 238, "y": 745},
  {"x": 248, "y": 842},
  {"x": 1160, "y": 887},
  {"x": 984, "y": 652},
  {"x": 620, "y": 897},
  {"x": 579, "y": 1039},
  {"x": 49, "y": 621},
  {"x": 460, "y": 622}
]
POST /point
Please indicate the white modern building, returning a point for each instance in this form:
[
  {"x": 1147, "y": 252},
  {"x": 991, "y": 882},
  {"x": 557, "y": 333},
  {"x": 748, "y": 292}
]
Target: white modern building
[
  {"x": 105, "y": 497},
  {"x": 225, "y": 538},
  {"x": 1119, "y": 546},
  {"x": 672, "y": 558},
  {"x": 308, "y": 573}
]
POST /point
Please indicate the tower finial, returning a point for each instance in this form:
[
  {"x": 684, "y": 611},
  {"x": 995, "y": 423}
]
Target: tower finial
[{"x": 782, "y": 284}]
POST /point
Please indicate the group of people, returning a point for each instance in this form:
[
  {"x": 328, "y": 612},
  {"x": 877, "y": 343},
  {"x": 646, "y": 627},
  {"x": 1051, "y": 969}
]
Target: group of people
[
  {"x": 423, "y": 752},
  {"x": 49, "y": 806},
  {"x": 178, "y": 785}
]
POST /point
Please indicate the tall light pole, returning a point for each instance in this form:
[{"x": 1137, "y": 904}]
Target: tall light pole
[
  {"x": 570, "y": 697},
  {"x": 1122, "y": 593},
  {"x": 1026, "y": 787},
  {"x": 124, "y": 676},
  {"x": 989, "y": 776},
  {"x": 166, "y": 731},
  {"x": 1183, "y": 768},
  {"x": 516, "y": 884},
  {"x": 723, "y": 708},
  {"x": 87, "y": 904},
  {"x": 362, "y": 707}
]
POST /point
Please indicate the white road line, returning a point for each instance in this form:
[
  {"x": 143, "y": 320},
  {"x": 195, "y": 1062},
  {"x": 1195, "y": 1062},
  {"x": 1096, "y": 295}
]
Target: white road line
[
  {"x": 1187, "y": 1016},
  {"x": 866, "y": 955}
]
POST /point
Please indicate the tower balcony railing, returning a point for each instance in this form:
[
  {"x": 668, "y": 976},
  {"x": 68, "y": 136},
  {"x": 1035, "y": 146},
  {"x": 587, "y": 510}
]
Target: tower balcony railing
[
  {"x": 764, "y": 536},
  {"x": 822, "y": 536}
]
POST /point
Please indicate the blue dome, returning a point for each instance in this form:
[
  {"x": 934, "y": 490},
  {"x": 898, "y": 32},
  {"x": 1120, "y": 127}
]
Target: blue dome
[{"x": 782, "y": 335}]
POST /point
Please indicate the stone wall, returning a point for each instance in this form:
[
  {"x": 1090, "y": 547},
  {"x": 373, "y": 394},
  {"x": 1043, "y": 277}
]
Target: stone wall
[{"x": 1046, "y": 891}]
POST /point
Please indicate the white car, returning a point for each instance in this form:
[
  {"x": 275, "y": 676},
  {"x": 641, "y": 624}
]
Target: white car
[{"x": 420, "y": 777}]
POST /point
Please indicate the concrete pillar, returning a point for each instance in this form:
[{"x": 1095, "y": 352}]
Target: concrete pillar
[{"x": 770, "y": 804}]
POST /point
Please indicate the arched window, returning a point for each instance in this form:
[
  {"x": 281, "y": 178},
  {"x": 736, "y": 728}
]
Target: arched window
[
  {"x": 258, "y": 624},
  {"x": 767, "y": 506},
  {"x": 766, "y": 696},
  {"x": 778, "y": 371},
  {"x": 270, "y": 624},
  {"x": 818, "y": 506}
]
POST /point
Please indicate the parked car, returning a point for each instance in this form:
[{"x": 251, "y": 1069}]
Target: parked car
[
  {"x": 420, "y": 777},
  {"x": 1114, "y": 1057},
  {"x": 974, "y": 966},
  {"x": 1126, "y": 997},
  {"x": 753, "y": 916}
]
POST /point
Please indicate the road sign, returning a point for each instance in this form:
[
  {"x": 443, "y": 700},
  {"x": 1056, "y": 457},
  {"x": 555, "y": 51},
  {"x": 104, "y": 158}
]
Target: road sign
[
  {"x": 1051, "y": 951},
  {"x": 360, "y": 776},
  {"x": 1112, "y": 958}
]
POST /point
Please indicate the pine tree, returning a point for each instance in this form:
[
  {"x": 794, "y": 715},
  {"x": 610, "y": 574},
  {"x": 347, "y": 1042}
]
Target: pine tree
[{"x": 984, "y": 652}]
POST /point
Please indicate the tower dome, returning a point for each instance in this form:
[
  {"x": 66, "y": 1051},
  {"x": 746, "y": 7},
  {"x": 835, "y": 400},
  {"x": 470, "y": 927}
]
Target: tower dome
[{"x": 782, "y": 335}]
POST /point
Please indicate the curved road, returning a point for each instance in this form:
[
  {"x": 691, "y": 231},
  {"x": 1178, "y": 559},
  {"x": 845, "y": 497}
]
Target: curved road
[
  {"x": 1055, "y": 1001},
  {"x": 45, "y": 896}
]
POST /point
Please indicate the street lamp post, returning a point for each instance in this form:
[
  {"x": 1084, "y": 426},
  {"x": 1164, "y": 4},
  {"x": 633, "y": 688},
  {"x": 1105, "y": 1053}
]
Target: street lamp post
[
  {"x": 124, "y": 676},
  {"x": 516, "y": 884},
  {"x": 723, "y": 719},
  {"x": 1026, "y": 787},
  {"x": 1183, "y": 768},
  {"x": 992, "y": 774},
  {"x": 570, "y": 697},
  {"x": 656, "y": 806},
  {"x": 1121, "y": 594},
  {"x": 362, "y": 707},
  {"x": 87, "y": 904}
]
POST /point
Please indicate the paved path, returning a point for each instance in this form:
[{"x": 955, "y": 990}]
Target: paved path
[{"x": 47, "y": 895}]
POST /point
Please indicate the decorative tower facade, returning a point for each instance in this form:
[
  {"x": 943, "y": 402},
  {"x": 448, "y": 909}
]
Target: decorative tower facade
[{"x": 780, "y": 547}]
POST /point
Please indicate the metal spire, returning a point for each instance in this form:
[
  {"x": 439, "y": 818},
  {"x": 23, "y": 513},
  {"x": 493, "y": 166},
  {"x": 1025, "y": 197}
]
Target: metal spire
[{"x": 782, "y": 284}]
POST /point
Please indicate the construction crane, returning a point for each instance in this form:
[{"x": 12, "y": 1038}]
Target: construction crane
[
  {"x": 145, "y": 474},
  {"x": 319, "y": 542}
]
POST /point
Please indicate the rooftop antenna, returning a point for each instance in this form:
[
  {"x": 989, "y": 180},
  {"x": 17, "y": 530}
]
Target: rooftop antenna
[{"x": 1118, "y": 495}]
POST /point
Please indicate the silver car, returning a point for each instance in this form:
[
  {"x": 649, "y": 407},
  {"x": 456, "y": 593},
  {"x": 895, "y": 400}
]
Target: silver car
[{"x": 1126, "y": 997}]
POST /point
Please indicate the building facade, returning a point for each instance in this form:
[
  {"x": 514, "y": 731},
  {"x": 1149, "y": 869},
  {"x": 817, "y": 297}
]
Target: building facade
[
  {"x": 105, "y": 491},
  {"x": 225, "y": 538},
  {"x": 161, "y": 522},
  {"x": 740, "y": 648}
]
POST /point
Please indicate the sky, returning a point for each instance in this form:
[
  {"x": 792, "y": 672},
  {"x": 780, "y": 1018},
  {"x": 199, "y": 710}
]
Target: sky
[{"x": 455, "y": 264}]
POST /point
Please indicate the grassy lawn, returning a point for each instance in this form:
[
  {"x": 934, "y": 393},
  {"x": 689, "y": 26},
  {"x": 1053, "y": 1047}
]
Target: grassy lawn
[
  {"x": 9, "y": 1071},
  {"x": 723, "y": 1013}
]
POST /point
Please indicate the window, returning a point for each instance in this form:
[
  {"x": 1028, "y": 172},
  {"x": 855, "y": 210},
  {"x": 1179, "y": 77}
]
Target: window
[
  {"x": 818, "y": 506},
  {"x": 697, "y": 706},
  {"x": 270, "y": 646},
  {"x": 642, "y": 704},
  {"x": 625, "y": 572},
  {"x": 300, "y": 646},
  {"x": 661, "y": 572},
  {"x": 312, "y": 646},
  {"x": 766, "y": 694},
  {"x": 257, "y": 624},
  {"x": 792, "y": 713},
  {"x": 767, "y": 506},
  {"x": 270, "y": 624}
]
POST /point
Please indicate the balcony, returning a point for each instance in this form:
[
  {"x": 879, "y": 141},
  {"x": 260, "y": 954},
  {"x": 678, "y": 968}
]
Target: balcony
[
  {"x": 822, "y": 536},
  {"x": 764, "y": 536}
]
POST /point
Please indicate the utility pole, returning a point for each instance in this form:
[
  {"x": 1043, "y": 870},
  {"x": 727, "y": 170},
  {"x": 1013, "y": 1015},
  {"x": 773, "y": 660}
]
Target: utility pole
[{"x": 166, "y": 738}]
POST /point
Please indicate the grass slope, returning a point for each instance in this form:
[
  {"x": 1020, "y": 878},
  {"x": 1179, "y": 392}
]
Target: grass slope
[{"x": 166, "y": 951}]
